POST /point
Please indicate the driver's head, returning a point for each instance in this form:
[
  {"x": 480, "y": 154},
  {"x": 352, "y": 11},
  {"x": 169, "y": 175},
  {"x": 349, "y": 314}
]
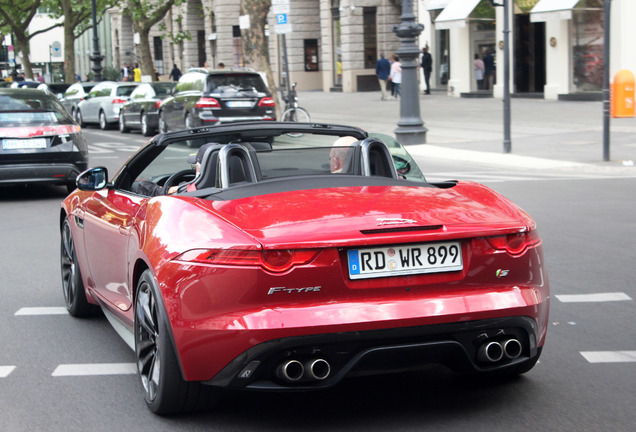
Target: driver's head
[
  {"x": 196, "y": 158},
  {"x": 338, "y": 153}
]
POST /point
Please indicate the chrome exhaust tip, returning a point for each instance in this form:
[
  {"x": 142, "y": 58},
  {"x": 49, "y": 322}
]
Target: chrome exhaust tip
[
  {"x": 317, "y": 369},
  {"x": 490, "y": 352},
  {"x": 512, "y": 348},
  {"x": 290, "y": 370}
]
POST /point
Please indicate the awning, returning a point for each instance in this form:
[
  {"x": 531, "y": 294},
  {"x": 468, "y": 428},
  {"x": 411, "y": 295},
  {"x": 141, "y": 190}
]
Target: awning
[
  {"x": 436, "y": 4},
  {"x": 552, "y": 10},
  {"x": 455, "y": 14}
]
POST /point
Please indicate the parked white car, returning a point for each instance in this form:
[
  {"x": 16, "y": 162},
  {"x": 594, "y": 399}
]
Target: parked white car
[{"x": 102, "y": 105}]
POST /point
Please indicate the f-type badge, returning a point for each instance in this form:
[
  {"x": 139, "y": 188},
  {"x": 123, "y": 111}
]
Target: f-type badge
[
  {"x": 502, "y": 273},
  {"x": 394, "y": 221}
]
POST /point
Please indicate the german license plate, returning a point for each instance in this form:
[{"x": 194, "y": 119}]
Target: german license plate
[
  {"x": 239, "y": 104},
  {"x": 15, "y": 144},
  {"x": 404, "y": 260}
]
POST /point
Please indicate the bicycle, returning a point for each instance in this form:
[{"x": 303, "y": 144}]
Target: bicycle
[{"x": 292, "y": 111}]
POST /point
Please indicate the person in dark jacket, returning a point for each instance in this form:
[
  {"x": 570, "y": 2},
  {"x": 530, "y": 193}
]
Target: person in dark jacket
[
  {"x": 175, "y": 74},
  {"x": 383, "y": 70},
  {"x": 427, "y": 67}
]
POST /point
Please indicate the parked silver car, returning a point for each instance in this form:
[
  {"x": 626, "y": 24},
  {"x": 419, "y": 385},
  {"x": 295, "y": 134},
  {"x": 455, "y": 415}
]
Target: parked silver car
[
  {"x": 103, "y": 103},
  {"x": 74, "y": 95}
]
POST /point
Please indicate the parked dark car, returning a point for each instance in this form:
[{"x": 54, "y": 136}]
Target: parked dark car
[
  {"x": 74, "y": 95},
  {"x": 209, "y": 98},
  {"x": 40, "y": 142},
  {"x": 142, "y": 111},
  {"x": 102, "y": 105},
  {"x": 57, "y": 89},
  {"x": 25, "y": 84}
]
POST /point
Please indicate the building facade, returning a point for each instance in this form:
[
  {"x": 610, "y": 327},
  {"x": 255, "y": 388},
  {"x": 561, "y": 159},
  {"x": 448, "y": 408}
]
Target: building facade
[{"x": 556, "y": 47}]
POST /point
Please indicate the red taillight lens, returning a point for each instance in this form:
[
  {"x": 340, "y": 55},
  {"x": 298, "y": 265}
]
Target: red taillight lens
[
  {"x": 207, "y": 102},
  {"x": 275, "y": 261},
  {"x": 38, "y": 131},
  {"x": 267, "y": 102},
  {"x": 157, "y": 104},
  {"x": 119, "y": 101},
  {"x": 515, "y": 244}
]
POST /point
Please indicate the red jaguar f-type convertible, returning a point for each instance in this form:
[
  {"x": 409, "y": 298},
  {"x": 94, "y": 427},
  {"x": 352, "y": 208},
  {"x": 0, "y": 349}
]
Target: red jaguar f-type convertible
[{"x": 286, "y": 256}]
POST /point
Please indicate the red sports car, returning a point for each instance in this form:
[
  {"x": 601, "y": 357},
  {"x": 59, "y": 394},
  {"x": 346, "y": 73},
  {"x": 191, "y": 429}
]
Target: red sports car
[{"x": 286, "y": 256}]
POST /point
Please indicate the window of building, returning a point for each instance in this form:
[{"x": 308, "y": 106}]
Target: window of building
[
  {"x": 311, "y": 54},
  {"x": 586, "y": 35},
  {"x": 237, "y": 46},
  {"x": 201, "y": 47},
  {"x": 157, "y": 44},
  {"x": 370, "y": 29}
]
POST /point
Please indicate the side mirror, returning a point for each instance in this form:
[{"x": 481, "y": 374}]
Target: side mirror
[{"x": 93, "y": 179}]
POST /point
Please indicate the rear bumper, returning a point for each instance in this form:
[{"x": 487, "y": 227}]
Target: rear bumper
[
  {"x": 454, "y": 345},
  {"x": 38, "y": 173}
]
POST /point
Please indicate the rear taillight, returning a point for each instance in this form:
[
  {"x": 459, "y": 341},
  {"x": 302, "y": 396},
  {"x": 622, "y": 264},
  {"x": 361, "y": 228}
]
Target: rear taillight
[
  {"x": 38, "y": 131},
  {"x": 515, "y": 244},
  {"x": 119, "y": 101},
  {"x": 267, "y": 102},
  {"x": 207, "y": 102},
  {"x": 157, "y": 104},
  {"x": 275, "y": 261}
]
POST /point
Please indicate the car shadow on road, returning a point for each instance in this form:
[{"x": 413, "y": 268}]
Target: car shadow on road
[{"x": 30, "y": 192}]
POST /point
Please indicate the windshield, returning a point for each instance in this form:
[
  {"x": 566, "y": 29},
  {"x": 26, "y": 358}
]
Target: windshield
[{"x": 231, "y": 83}]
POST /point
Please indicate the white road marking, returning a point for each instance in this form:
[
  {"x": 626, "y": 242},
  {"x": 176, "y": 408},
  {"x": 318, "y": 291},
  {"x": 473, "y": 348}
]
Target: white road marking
[
  {"x": 609, "y": 356},
  {"x": 6, "y": 370},
  {"x": 42, "y": 311},
  {"x": 89, "y": 369},
  {"x": 597, "y": 297}
]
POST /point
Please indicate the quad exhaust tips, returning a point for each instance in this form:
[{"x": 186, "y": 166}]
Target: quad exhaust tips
[
  {"x": 494, "y": 351},
  {"x": 293, "y": 371}
]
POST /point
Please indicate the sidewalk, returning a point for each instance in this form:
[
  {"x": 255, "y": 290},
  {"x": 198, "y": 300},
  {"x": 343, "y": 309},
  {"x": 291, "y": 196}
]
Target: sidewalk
[{"x": 544, "y": 133}]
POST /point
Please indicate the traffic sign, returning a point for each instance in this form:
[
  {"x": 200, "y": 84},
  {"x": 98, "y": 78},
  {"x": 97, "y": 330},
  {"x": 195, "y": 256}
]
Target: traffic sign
[
  {"x": 56, "y": 49},
  {"x": 281, "y": 18}
]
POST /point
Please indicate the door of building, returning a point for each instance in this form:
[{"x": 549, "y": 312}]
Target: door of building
[{"x": 529, "y": 55}]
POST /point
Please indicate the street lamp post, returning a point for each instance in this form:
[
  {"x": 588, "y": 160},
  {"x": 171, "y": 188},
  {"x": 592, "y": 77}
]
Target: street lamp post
[
  {"x": 411, "y": 128},
  {"x": 607, "y": 4},
  {"x": 507, "y": 144},
  {"x": 96, "y": 58}
]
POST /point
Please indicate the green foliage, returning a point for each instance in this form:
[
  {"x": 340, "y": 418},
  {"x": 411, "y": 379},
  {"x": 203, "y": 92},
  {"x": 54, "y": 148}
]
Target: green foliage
[
  {"x": 110, "y": 74},
  {"x": 484, "y": 10}
]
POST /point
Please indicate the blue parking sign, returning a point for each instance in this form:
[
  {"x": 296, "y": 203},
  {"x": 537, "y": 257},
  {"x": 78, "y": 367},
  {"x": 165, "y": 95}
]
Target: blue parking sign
[{"x": 281, "y": 19}]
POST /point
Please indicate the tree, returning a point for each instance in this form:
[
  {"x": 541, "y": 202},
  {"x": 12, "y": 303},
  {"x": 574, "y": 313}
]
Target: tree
[
  {"x": 144, "y": 15},
  {"x": 77, "y": 19},
  {"x": 255, "y": 44},
  {"x": 16, "y": 17}
]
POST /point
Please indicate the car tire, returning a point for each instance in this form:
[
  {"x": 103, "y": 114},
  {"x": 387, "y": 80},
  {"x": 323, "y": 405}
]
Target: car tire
[
  {"x": 163, "y": 126},
  {"x": 188, "y": 122},
  {"x": 146, "y": 130},
  {"x": 122, "y": 125},
  {"x": 80, "y": 119},
  {"x": 165, "y": 390},
  {"x": 72, "y": 284},
  {"x": 103, "y": 123}
]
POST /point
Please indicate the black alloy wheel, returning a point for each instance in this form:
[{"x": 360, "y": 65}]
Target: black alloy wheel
[
  {"x": 122, "y": 124},
  {"x": 145, "y": 128},
  {"x": 163, "y": 126},
  {"x": 165, "y": 391},
  {"x": 72, "y": 284}
]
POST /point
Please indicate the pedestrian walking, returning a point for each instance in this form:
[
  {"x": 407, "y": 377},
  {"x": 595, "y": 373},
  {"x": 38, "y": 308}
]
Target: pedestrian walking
[
  {"x": 478, "y": 67},
  {"x": 124, "y": 73},
  {"x": 383, "y": 70},
  {"x": 489, "y": 70},
  {"x": 175, "y": 73},
  {"x": 427, "y": 68},
  {"x": 137, "y": 73},
  {"x": 396, "y": 74}
]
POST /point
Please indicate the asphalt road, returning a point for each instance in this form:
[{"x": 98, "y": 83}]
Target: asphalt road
[{"x": 584, "y": 381}]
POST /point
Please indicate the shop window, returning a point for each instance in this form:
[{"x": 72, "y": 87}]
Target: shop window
[
  {"x": 586, "y": 33},
  {"x": 370, "y": 29},
  {"x": 311, "y": 55}
]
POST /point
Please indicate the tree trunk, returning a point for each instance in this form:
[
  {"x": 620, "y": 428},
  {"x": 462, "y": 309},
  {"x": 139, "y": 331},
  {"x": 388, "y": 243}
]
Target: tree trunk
[
  {"x": 69, "y": 42},
  {"x": 23, "y": 46},
  {"x": 147, "y": 66},
  {"x": 256, "y": 44}
]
